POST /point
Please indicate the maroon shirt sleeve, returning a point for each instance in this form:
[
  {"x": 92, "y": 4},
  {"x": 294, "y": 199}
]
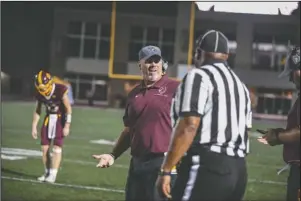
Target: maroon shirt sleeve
[
  {"x": 126, "y": 119},
  {"x": 61, "y": 90}
]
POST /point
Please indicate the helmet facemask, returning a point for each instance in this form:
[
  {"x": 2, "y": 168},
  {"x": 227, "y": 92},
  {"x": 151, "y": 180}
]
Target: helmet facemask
[{"x": 44, "y": 83}]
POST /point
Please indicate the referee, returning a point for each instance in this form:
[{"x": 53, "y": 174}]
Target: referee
[{"x": 211, "y": 113}]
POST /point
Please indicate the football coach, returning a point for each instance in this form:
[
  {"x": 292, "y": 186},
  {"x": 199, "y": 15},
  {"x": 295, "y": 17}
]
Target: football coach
[
  {"x": 290, "y": 136},
  {"x": 147, "y": 127}
]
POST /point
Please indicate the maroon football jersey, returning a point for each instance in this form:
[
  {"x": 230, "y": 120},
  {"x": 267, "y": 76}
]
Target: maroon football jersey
[{"x": 54, "y": 104}]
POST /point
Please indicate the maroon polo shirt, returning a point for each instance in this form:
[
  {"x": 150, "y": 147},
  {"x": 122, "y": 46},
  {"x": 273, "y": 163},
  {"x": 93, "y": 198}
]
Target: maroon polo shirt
[
  {"x": 291, "y": 151},
  {"x": 147, "y": 115}
]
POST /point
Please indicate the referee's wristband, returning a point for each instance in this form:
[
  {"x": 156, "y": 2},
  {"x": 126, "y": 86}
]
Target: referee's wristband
[{"x": 164, "y": 173}]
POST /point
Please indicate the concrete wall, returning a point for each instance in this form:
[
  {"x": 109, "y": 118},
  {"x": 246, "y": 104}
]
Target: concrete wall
[
  {"x": 266, "y": 79},
  {"x": 59, "y": 63},
  {"x": 246, "y": 25},
  {"x": 241, "y": 25},
  {"x": 122, "y": 39}
]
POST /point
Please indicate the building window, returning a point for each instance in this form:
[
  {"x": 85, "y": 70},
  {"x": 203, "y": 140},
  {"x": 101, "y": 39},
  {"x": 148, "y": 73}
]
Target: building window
[
  {"x": 161, "y": 37},
  {"x": 273, "y": 101},
  {"x": 269, "y": 51},
  {"x": 84, "y": 85},
  {"x": 88, "y": 40}
]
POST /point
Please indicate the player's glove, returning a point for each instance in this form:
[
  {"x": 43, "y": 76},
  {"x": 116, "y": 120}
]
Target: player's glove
[
  {"x": 271, "y": 136},
  {"x": 105, "y": 160}
]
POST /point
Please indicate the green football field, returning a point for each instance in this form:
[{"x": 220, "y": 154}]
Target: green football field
[{"x": 79, "y": 179}]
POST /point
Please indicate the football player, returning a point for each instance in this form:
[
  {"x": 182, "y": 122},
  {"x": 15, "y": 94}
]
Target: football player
[
  {"x": 58, "y": 80},
  {"x": 56, "y": 124}
]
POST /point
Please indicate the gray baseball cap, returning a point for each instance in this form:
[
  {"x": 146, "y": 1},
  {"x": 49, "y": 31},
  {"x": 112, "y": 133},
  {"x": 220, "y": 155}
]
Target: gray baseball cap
[{"x": 149, "y": 51}]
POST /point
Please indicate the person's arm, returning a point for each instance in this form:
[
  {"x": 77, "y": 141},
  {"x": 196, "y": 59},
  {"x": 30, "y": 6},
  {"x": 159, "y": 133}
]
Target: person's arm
[
  {"x": 279, "y": 136},
  {"x": 124, "y": 140},
  {"x": 194, "y": 93},
  {"x": 183, "y": 138},
  {"x": 36, "y": 114},
  {"x": 122, "y": 144},
  {"x": 290, "y": 136},
  {"x": 68, "y": 108}
]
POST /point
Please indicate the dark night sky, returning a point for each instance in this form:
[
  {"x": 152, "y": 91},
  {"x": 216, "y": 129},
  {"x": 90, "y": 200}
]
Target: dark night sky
[
  {"x": 26, "y": 29},
  {"x": 25, "y": 34}
]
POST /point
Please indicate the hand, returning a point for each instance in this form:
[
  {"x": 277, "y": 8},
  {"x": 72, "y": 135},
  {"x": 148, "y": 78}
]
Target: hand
[
  {"x": 105, "y": 160},
  {"x": 270, "y": 136},
  {"x": 262, "y": 140},
  {"x": 66, "y": 129},
  {"x": 163, "y": 185},
  {"x": 34, "y": 133}
]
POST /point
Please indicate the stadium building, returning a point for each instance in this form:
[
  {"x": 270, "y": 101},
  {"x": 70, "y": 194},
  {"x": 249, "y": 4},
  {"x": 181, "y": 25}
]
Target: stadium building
[{"x": 95, "y": 46}]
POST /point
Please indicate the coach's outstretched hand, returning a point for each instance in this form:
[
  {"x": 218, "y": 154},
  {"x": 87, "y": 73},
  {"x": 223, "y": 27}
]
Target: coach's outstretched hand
[{"x": 105, "y": 160}]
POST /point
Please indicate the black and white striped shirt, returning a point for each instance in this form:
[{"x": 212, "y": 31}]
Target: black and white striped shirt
[{"x": 221, "y": 99}]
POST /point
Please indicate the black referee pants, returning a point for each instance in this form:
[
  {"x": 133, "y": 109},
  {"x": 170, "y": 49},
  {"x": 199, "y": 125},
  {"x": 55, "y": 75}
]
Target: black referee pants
[
  {"x": 142, "y": 178},
  {"x": 293, "y": 184},
  {"x": 210, "y": 176}
]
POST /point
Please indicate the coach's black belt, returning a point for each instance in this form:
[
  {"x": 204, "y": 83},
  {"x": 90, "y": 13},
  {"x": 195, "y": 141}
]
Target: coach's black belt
[{"x": 149, "y": 156}]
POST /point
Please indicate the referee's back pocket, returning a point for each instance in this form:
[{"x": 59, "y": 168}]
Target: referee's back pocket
[{"x": 216, "y": 163}]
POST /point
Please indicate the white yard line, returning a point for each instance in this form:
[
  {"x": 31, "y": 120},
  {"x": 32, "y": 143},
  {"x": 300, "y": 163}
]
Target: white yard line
[
  {"x": 111, "y": 189},
  {"x": 266, "y": 182},
  {"x": 65, "y": 185},
  {"x": 250, "y": 180}
]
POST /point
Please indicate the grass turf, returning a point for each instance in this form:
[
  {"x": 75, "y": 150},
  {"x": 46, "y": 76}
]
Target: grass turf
[{"x": 78, "y": 167}]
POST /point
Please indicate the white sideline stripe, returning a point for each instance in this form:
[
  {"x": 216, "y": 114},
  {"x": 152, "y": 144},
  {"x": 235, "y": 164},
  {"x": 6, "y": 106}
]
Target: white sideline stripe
[
  {"x": 65, "y": 185},
  {"x": 266, "y": 182}
]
